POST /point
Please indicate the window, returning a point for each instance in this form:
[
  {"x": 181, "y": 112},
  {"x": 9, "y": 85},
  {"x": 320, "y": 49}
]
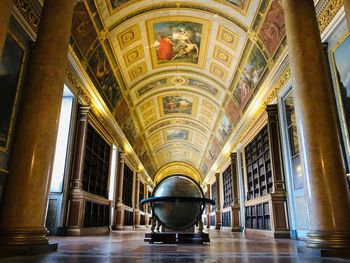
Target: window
[
  {"x": 298, "y": 179},
  {"x": 59, "y": 164}
]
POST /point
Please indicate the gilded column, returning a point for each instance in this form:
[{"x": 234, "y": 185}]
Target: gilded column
[
  {"x": 218, "y": 202},
  {"x": 119, "y": 207},
  {"x": 137, "y": 202},
  {"x": 209, "y": 206},
  {"x": 235, "y": 212},
  {"x": 325, "y": 184},
  {"x": 22, "y": 222},
  {"x": 5, "y": 14},
  {"x": 347, "y": 12}
]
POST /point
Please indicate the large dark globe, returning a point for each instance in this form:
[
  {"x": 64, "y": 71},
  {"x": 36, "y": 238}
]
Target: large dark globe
[{"x": 177, "y": 215}]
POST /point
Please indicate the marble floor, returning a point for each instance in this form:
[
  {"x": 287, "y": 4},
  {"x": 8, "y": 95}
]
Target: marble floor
[{"x": 128, "y": 246}]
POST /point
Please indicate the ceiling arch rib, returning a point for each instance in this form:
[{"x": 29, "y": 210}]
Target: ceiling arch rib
[{"x": 187, "y": 70}]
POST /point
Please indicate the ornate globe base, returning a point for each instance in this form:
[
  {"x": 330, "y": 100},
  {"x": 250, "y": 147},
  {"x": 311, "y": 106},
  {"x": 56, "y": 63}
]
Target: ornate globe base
[{"x": 177, "y": 238}]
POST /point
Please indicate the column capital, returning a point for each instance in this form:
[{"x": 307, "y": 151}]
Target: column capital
[
  {"x": 233, "y": 156},
  {"x": 272, "y": 109},
  {"x": 122, "y": 157},
  {"x": 217, "y": 176},
  {"x": 84, "y": 108}
]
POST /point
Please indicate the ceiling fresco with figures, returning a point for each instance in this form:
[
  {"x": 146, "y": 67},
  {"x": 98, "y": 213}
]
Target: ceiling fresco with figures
[{"x": 178, "y": 75}]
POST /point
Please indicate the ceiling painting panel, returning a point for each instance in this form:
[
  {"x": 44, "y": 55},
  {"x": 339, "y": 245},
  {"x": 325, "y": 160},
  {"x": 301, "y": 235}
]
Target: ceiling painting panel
[
  {"x": 178, "y": 40},
  {"x": 273, "y": 29}
]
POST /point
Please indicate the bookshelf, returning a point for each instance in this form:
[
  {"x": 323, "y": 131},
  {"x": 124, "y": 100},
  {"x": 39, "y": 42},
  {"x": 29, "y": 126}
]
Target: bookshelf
[
  {"x": 227, "y": 187},
  {"x": 258, "y": 165},
  {"x": 265, "y": 204},
  {"x": 258, "y": 216},
  {"x": 96, "y": 164},
  {"x": 89, "y": 207}
]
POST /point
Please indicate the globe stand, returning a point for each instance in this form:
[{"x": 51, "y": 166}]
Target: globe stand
[{"x": 183, "y": 236}]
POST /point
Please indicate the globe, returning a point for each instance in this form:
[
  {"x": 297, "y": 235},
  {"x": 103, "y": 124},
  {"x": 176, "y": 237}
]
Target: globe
[{"x": 177, "y": 215}]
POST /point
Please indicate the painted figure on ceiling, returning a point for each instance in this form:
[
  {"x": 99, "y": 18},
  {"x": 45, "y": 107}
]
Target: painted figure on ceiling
[{"x": 165, "y": 49}]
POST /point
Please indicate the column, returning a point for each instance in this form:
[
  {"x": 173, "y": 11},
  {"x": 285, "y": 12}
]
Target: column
[
  {"x": 22, "y": 223},
  {"x": 325, "y": 183},
  {"x": 275, "y": 148},
  {"x": 278, "y": 203},
  {"x": 78, "y": 163},
  {"x": 5, "y": 14},
  {"x": 76, "y": 202},
  {"x": 137, "y": 202},
  {"x": 146, "y": 207},
  {"x": 235, "y": 212},
  {"x": 218, "y": 202},
  {"x": 119, "y": 207},
  {"x": 208, "y": 205},
  {"x": 347, "y": 11}
]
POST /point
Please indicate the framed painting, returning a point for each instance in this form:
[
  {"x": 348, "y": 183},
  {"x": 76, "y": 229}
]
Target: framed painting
[
  {"x": 180, "y": 104},
  {"x": 253, "y": 70},
  {"x": 11, "y": 74},
  {"x": 341, "y": 67},
  {"x": 177, "y": 135},
  {"x": 273, "y": 28},
  {"x": 103, "y": 74},
  {"x": 240, "y": 5},
  {"x": 178, "y": 40}
]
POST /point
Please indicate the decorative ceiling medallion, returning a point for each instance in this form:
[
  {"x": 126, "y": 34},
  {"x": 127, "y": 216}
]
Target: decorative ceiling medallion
[
  {"x": 178, "y": 104},
  {"x": 218, "y": 71},
  {"x": 223, "y": 56},
  {"x": 227, "y": 37},
  {"x": 129, "y": 36},
  {"x": 178, "y": 80},
  {"x": 134, "y": 55},
  {"x": 137, "y": 71},
  {"x": 178, "y": 40}
]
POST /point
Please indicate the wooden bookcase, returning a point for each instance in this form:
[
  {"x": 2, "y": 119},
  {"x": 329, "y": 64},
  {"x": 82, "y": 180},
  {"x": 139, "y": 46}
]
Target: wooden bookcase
[
  {"x": 96, "y": 164},
  {"x": 258, "y": 165},
  {"x": 227, "y": 187},
  {"x": 89, "y": 207},
  {"x": 265, "y": 204}
]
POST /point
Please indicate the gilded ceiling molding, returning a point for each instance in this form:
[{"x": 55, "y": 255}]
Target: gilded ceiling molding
[
  {"x": 191, "y": 6},
  {"x": 328, "y": 13},
  {"x": 177, "y": 168},
  {"x": 30, "y": 12}
]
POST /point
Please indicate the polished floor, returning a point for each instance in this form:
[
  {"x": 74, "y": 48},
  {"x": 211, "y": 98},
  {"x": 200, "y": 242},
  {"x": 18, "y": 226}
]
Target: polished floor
[{"x": 128, "y": 246}]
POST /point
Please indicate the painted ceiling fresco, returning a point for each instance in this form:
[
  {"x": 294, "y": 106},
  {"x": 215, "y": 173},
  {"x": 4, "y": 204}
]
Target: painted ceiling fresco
[{"x": 178, "y": 76}]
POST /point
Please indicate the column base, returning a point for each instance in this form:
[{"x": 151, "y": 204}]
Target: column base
[
  {"x": 117, "y": 227},
  {"x": 218, "y": 227},
  {"x": 236, "y": 229},
  {"x": 25, "y": 241},
  {"x": 314, "y": 252},
  {"x": 328, "y": 240},
  {"x": 27, "y": 249}
]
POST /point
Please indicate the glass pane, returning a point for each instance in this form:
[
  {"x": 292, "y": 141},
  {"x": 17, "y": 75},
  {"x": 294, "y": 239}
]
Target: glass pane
[
  {"x": 61, "y": 145},
  {"x": 298, "y": 178}
]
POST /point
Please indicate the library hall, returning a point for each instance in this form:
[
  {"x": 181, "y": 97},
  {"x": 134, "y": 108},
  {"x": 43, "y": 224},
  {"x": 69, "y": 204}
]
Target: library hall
[{"x": 174, "y": 131}]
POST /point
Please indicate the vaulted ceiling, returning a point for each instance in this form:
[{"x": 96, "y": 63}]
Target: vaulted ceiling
[{"x": 178, "y": 75}]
